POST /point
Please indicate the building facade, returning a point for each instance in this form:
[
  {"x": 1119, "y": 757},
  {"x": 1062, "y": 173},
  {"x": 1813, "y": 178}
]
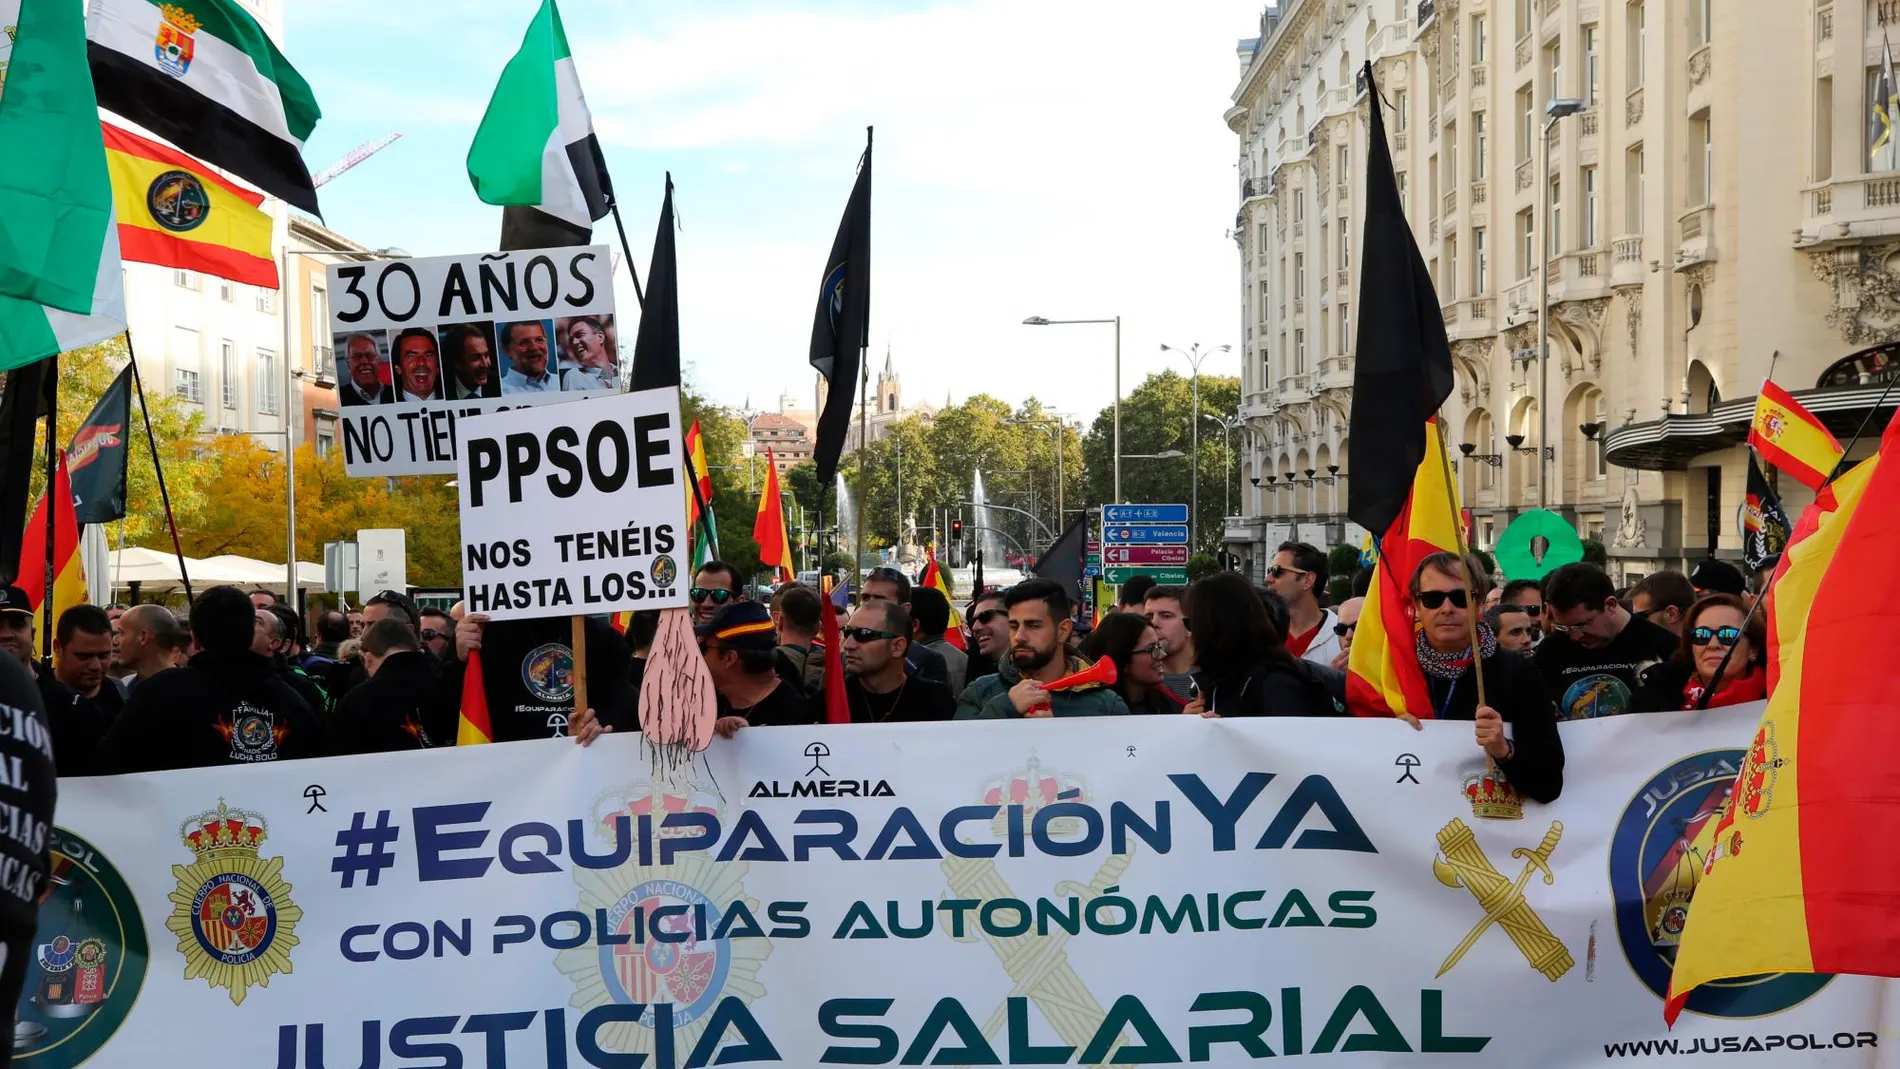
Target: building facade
[{"x": 1711, "y": 208}]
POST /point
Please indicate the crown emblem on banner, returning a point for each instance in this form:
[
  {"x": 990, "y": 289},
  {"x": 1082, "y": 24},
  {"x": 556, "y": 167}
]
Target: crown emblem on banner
[
  {"x": 1493, "y": 798},
  {"x": 179, "y": 17},
  {"x": 224, "y": 832},
  {"x": 1033, "y": 787}
]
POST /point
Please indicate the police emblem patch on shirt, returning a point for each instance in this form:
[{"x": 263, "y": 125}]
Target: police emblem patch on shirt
[{"x": 253, "y": 733}]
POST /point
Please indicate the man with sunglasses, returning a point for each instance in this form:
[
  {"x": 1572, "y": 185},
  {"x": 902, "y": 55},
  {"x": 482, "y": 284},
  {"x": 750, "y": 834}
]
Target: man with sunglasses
[
  {"x": 892, "y": 586},
  {"x": 715, "y": 585},
  {"x": 1530, "y": 754},
  {"x": 988, "y": 619},
  {"x": 1594, "y": 655},
  {"x": 741, "y": 649},
  {"x": 1345, "y": 626},
  {"x": 1298, "y": 575},
  {"x": 438, "y": 631},
  {"x": 1663, "y": 598},
  {"x": 1039, "y": 630},
  {"x": 878, "y": 686}
]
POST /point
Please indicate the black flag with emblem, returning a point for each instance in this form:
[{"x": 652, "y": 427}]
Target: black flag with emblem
[
  {"x": 96, "y": 457},
  {"x": 843, "y": 321},
  {"x": 1765, "y": 524}
]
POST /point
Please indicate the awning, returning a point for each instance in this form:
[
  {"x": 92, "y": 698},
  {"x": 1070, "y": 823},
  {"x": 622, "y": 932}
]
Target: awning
[{"x": 1671, "y": 443}]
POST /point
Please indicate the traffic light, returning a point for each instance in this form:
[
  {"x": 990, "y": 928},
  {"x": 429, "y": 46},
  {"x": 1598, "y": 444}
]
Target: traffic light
[{"x": 956, "y": 530}]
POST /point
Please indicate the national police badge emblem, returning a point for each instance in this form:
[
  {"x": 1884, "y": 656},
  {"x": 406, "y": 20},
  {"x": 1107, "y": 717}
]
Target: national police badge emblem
[
  {"x": 548, "y": 673},
  {"x": 174, "y": 44},
  {"x": 682, "y": 933},
  {"x": 253, "y": 733},
  {"x": 232, "y": 911}
]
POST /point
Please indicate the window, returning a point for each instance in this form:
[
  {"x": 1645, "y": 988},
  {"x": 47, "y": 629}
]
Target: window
[
  {"x": 1588, "y": 221},
  {"x": 1554, "y": 244},
  {"x": 1884, "y": 158},
  {"x": 1345, "y": 245},
  {"x": 1602, "y": 416},
  {"x": 1325, "y": 244},
  {"x": 1638, "y": 35},
  {"x": 1633, "y": 190},
  {"x": 185, "y": 384},
  {"x": 1265, "y": 299},
  {"x": 267, "y": 383},
  {"x": 1399, "y": 110},
  {"x": 1526, "y": 124},
  {"x": 1266, "y": 375},
  {"x": 226, "y": 292},
  {"x": 185, "y": 279},
  {"x": 1480, "y": 146},
  {"x": 1590, "y": 76},
  {"x": 1434, "y": 271},
  {"x": 1344, "y": 174},
  {"x": 1553, "y": 70},
  {"x": 228, "y": 373},
  {"x": 1345, "y": 329},
  {"x": 1401, "y": 189},
  {"x": 1450, "y": 292},
  {"x": 1299, "y": 352},
  {"x": 319, "y": 310},
  {"x": 326, "y": 437},
  {"x": 1701, "y": 160},
  {"x": 1480, "y": 263},
  {"x": 1299, "y": 205},
  {"x": 1704, "y": 16},
  {"x": 1478, "y": 45},
  {"x": 266, "y": 300},
  {"x": 1525, "y": 256},
  {"x": 1523, "y": 17},
  {"x": 1823, "y": 129},
  {"x": 1299, "y": 276},
  {"x": 1451, "y": 158},
  {"x": 1261, "y": 249}
]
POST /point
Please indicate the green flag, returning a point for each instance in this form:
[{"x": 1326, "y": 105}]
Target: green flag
[
  {"x": 536, "y": 147},
  {"x": 59, "y": 244}
]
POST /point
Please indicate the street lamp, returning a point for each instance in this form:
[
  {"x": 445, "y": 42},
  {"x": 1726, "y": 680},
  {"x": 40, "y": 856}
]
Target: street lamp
[
  {"x": 1039, "y": 321},
  {"x": 1227, "y": 427},
  {"x": 1057, "y": 432},
  {"x": 1559, "y": 108},
  {"x": 1195, "y": 355},
  {"x": 1165, "y": 454}
]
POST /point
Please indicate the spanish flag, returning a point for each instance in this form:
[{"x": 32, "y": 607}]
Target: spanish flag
[
  {"x": 934, "y": 577},
  {"x": 177, "y": 212},
  {"x": 474, "y": 728},
  {"x": 768, "y": 529},
  {"x": 69, "y": 578},
  {"x": 1796, "y": 880},
  {"x": 1789, "y": 437},
  {"x": 705, "y": 547},
  {"x": 1383, "y": 676}
]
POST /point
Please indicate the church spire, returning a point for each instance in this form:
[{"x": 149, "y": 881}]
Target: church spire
[{"x": 888, "y": 373}]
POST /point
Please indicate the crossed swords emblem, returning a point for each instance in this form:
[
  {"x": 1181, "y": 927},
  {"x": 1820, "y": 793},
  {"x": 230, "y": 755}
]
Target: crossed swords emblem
[{"x": 1462, "y": 863}]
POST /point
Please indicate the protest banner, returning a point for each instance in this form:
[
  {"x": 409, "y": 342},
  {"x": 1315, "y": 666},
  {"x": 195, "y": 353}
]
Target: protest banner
[
  {"x": 421, "y": 344},
  {"x": 1138, "y": 889},
  {"x": 574, "y": 510}
]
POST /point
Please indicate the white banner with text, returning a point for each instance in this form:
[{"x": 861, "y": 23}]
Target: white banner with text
[{"x": 1118, "y": 890}]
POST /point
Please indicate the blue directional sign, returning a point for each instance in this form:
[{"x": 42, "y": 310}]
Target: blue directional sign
[
  {"x": 1114, "y": 514},
  {"x": 1148, "y": 534},
  {"x": 1091, "y": 571}
]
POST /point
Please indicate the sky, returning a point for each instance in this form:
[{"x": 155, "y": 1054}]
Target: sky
[{"x": 1033, "y": 157}]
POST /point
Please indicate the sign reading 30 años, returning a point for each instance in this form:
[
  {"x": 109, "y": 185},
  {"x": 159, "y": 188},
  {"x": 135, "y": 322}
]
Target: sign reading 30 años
[{"x": 1129, "y": 890}]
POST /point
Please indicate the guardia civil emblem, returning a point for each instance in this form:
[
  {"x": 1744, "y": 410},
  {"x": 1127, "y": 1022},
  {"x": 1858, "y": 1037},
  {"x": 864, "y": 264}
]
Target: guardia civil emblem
[
  {"x": 232, "y": 911},
  {"x": 714, "y": 941},
  {"x": 548, "y": 673},
  {"x": 86, "y": 963},
  {"x": 174, "y": 44}
]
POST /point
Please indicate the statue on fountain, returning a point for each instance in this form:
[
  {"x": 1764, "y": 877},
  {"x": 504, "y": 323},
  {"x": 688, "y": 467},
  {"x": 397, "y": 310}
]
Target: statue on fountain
[{"x": 908, "y": 549}]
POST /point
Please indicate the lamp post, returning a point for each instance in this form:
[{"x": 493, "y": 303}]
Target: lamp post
[
  {"x": 1195, "y": 355},
  {"x": 1558, "y": 109},
  {"x": 1227, "y": 427},
  {"x": 1057, "y": 432},
  {"x": 1039, "y": 321}
]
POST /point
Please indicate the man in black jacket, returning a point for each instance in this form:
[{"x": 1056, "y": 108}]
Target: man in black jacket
[
  {"x": 1531, "y": 755},
  {"x": 527, "y": 673},
  {"x": 393, "y": 709},
  {"x": 889, "y": 584},
  {"x": 29, "y": 793},
  {"x": 227, "y": 705}
]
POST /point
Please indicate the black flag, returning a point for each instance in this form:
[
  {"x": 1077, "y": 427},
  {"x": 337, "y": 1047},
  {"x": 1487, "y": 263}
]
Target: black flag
[
  {"x": 1765, "y": 525},
  {"x": 1402, "y": 361},
  {"x": 1064, "y": 561},
  {"x": 843, "y": 320},
  {"x": 656, "y": 350},
  {"x": 532, "y": 228},
  {"x": 27, "y": 396},
  {"x": 96, "y": 457}
]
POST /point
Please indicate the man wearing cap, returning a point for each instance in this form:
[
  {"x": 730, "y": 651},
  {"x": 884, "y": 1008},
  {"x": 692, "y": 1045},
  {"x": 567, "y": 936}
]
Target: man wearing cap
[
  {"x": 878, "y": 684},
  {"x": 741, "y": 647},
  {"x": 1717, "y": 577}
]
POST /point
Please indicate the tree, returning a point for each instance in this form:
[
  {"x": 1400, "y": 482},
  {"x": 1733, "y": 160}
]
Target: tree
[{"x": 1156, "y": 418}]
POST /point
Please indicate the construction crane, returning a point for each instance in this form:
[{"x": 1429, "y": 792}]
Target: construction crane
[{"x": 357, "y": 155}]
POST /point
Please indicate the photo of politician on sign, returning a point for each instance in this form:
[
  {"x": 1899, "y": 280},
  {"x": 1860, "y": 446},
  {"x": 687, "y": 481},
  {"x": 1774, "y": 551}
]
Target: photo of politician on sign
[
  {"x": 468, "y": 354},
  {"x": 362, "y": 369},
  {"x": 574, "y": 509}
]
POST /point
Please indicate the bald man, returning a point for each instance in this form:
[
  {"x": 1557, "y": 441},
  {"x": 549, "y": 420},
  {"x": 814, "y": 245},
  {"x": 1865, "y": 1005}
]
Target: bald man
[{"x": 1348, "y": 613}]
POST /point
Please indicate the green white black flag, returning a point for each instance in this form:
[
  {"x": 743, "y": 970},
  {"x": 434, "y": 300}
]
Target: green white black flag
[{"x": 536, "y": 146}]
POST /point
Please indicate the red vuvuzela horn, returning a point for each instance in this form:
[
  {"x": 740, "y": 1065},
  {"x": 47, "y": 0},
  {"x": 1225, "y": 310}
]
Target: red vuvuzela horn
[{"x": 1102, "y": 672}]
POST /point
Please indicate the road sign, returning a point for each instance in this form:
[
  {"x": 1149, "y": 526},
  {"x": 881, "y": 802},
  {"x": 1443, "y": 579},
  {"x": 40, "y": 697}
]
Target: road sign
[
  {"x": 1165, "y": 534},
  {"x": 1114, "y": 514},
  {"x": 1091, "y": 571},
  {"x": 1092, "y": 557},
  {"x": 1168, "y": 556},
  {"x": 1092, "y": 546},
  {"x": 1122, "y": 574}
]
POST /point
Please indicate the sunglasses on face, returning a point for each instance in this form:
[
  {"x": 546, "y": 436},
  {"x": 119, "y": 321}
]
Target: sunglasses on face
[
  {"x": 1702, "y": 636},
  {"x": 1275, "y": 571},
  {"x": 700, "y": 593},
  {"x": 1434, "y": 599},
  {"x": 429, "y": 634},
  {"x": 1528, "y": 610},
  {"x": 987, "y": 615},
  {"x": 1342, "y": 630},
  {"x": 866, "y": 634},
  {"x": 1157, "y": 650}
]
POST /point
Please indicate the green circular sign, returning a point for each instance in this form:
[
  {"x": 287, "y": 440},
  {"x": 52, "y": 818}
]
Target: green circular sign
[
  {"x": 1536, "y": 544},
  {"x": 89, "y": 959}
]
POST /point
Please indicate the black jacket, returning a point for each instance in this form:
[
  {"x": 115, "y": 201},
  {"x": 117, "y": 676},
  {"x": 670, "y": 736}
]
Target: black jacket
[
  {"x": 1276, "y": 688},
  {"x": 222, "y": 708},
  {"x": 525, "y": 672},
  {"x": 1514, "y": 688},
  {"x": 78, "y": 724},
  {"x": 393, "y": 709},
  {"x": 27, "y": 744}
]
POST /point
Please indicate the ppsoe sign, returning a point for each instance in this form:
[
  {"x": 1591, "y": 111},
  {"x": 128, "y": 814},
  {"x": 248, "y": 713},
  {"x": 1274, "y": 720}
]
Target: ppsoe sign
[{"x": 1159, "y": 890}]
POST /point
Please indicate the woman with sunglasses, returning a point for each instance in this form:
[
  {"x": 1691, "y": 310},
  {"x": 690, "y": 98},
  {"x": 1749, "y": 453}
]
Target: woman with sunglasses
[
  {"x": 1132, "y": 643},
  {"x": 1244, "y": 667},
  {"x": 1710, "y": 629}
]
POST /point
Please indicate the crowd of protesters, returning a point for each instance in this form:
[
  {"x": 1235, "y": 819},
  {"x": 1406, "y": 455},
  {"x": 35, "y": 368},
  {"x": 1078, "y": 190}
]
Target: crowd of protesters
[{"x": 238, "y": 680}]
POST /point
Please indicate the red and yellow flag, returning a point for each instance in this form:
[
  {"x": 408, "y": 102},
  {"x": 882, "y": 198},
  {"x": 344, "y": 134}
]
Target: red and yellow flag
[
  {"x": 177, "y": 212},
  {"x": 1383, "y": 676},
  {"x": 699, "y": 530},
  {"x": 474, "y": 728},
  {"x": 934, "y": 577},
  {"x": 1796, "y": 880},
  {"x": 768, "y": 529},
  {"x": 69, "y": 578},
  {"x": 1788, "y": 436}
]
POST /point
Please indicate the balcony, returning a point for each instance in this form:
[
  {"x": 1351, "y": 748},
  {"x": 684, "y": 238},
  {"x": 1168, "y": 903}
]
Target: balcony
[
  {"x": 1523, "y": 51},
  {"x": 1697, "y": 229},
  {"x": 1426, "y": 10},
  {"x": 1477, "y": 76},
  {"x": 1335, "y": 374},
  {"x": 1526, "y": 174},
  {"x": 1398, "y": 141},
  {"x": 1255, "y": 187},
  {"x": 1626, "y": 261},
  {"x": 1587, "y": 123},
  {"x": 1299, "y": 306},
  {"x": 1393, "y": 38},
  {"x": 1693, "y": 222},
  {"x": 1851, "y": 210},
  {"x": 1342, "y": 195},
  {"x": 1633, "y": 107},
  {"x": 1344, "y": 280},
  {"x": 1479, "y": 191},
  {"x": 1824, "y": 24},
  {"x": 1431, "y": 128},
  {"x": 1299, "y": 228},
  {"x": 1522, "y": 297},
  {"x": 1336, "y": 100},
  {"x": 323, "y": 359},
  {"x": 1698, "y": 66},
  {"x": 1478, "y": 310},
  {"x": 1451, "y": 203}
]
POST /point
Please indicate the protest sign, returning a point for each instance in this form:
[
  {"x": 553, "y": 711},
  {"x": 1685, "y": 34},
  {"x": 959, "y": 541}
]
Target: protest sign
[
  {"x": 421, "y": 344},
  {"x": 574, "y": 509},
  {"x": 1171, "y": 890}
]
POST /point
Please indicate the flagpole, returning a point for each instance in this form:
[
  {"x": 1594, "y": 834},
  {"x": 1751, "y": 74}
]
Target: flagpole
[
  {"x": 627, "y": 251},
  {"x": 864, "y": 441},
  {"x": 1464, "y": 557},
  {"x": 138, "y": 386},
  {"x": 52, "y": 465}
]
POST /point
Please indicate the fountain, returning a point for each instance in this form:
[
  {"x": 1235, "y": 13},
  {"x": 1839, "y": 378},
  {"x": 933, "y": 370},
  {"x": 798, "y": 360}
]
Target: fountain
[
  {"x": 848, "y": 528},
  {"x": 988, "y": 541}
]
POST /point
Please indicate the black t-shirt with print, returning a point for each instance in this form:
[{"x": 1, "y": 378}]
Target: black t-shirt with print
[
  {"x": 1588, "y": 683},
  {"x": 786, "y": 705}
]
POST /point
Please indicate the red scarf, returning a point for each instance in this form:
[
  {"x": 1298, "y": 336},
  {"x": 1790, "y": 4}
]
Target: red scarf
[{"x": 1734, "y": 691}]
